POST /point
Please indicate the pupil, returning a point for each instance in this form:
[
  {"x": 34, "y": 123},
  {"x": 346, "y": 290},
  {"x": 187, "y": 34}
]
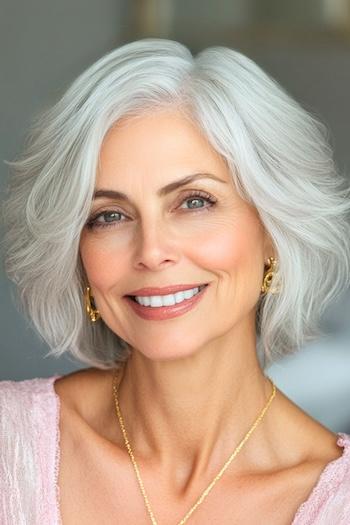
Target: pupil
[
  {"x": 194, "y": 200},
  {"x": 110, "y": 216}
]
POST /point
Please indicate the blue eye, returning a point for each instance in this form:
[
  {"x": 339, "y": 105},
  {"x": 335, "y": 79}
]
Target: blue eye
[
  {"x": 198, "y": 197},
  {"x": 195, "y": 200},
  {"x": 109, "y": 218}
]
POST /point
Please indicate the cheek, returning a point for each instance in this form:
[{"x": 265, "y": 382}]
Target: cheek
[
  {"x": 100, "y": 262},
  {"x": 229, "y": 246}
]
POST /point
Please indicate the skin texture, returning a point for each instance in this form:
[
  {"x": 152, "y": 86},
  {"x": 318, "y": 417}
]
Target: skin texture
[{"x": 193, "y": 386}]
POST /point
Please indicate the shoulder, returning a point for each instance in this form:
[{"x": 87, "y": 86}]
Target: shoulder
[
  {"x": 26, "y": 398},
  {"x": 29, "y": 412},
  {"x": 27, "y": 409},
  {"x": 87, "y": 407},
  {"x": 338, "y": 477},
  {"x": 83, "y": 390},
  {"x": 337, "y": 473},
  {"x": 329, "y": 501},
  {"x": 36, "y": 385}
]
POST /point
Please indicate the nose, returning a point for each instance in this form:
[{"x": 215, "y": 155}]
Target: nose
[{"x": 156, "y": 247}]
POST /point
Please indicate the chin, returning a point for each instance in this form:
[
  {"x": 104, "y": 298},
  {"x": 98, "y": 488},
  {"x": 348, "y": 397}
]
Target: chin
[{"x": 167, "y": 352}]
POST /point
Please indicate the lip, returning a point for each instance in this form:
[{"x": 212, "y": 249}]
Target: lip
[
  {"x": 162, "y": 313},
  {"x": 165, "y": 290}
]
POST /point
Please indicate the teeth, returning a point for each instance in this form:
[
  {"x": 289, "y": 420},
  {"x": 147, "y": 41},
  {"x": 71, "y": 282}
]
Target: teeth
[{"x": 156, "y": 301}]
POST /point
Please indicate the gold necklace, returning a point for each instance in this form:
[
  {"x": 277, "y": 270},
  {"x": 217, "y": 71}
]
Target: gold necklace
[{"x": 217, "y": 477}]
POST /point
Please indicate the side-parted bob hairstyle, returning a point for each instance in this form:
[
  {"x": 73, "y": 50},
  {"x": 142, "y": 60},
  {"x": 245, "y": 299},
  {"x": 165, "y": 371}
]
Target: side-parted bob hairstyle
[{"x": 279, "y": 157}]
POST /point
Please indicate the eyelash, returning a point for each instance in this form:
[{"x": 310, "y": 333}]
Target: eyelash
[{"x": 92, "y": 222}]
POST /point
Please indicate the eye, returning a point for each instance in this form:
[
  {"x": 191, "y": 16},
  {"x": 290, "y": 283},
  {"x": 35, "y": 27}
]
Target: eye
[
  {"x": 196, "y": 198},
  {"x": 105, "y": 219}
]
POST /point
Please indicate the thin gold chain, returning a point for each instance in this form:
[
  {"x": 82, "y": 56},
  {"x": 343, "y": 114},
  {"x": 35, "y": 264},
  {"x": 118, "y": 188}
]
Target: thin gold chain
[{"x": 217, "y": 477}]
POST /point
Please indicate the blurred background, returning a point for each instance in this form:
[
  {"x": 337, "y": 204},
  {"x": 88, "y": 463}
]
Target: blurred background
[{"x": 304, "y": 45}]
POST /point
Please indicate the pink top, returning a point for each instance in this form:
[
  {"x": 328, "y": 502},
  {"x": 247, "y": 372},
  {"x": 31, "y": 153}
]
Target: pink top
[{"x": 30, "y": 453}]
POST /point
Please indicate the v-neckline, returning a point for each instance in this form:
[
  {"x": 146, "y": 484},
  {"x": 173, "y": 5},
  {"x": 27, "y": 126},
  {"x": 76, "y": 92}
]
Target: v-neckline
[{"x": 316, "y": 492}]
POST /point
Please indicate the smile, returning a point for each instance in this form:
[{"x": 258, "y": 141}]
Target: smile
[
  {"x": 157, "y": 301},
  {"x": 161, "y": 307}
]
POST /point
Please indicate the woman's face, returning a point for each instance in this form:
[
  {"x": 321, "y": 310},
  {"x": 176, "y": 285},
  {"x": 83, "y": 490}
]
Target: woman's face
[{"x": 147, "y": 229}]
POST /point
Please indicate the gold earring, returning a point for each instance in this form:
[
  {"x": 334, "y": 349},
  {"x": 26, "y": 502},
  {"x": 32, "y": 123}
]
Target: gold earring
[
  {"x": 268, "y": 276},
  {"x": 92, "y": 312}
]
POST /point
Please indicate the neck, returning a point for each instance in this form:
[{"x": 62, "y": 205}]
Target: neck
[{"x": 189, "y": 414}]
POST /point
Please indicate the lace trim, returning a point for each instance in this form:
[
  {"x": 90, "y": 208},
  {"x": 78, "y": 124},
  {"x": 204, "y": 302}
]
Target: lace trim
[
  {"x": 324, "y": 478},
  {"x": 57, "y": 450}
]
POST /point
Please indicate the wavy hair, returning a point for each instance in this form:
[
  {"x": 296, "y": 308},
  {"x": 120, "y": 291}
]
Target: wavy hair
[{"x": 279, "y": 156}]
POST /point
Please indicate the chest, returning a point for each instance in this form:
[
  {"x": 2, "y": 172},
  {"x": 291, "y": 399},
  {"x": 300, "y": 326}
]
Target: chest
[{"x": 103, "y": 489}]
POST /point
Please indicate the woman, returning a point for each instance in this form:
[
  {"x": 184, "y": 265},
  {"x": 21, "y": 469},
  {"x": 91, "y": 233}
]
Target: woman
[{"x": 172, "y": 220}]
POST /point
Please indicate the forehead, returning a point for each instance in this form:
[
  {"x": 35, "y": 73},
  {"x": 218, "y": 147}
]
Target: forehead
[{"x": 162, "y": 142}]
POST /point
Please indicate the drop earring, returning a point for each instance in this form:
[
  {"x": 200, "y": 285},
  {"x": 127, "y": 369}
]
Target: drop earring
[
  {"x": 91, "y": 310},
  {"x": 268, "y": 276}
]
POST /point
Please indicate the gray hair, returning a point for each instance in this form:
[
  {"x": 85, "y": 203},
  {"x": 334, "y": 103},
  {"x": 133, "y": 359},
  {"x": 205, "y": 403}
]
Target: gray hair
[{"x": 277, "y": 152}]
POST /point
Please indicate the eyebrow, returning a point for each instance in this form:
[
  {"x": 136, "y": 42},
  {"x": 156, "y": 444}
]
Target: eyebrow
[{"x": 112, "y": 194}]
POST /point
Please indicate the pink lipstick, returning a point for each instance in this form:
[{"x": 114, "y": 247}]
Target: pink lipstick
[
  {"x": 165, "y": 290},
  {"x": 165, "y": 312}
]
